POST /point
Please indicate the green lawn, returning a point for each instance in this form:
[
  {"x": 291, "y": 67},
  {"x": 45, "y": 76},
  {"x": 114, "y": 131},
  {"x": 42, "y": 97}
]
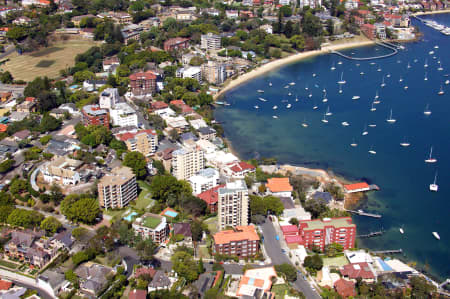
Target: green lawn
[
  {"x": 280, "y": 290},
  {"x": 151, "y": 222},
  {"x": 144, "y": 199},
  {"x": 335, "y": 261},
  {"x": 8, "y": 264},
  {"x": 203, "y": 252},
  {"x": 114, "y": 213},
  {"x": 212, "y": 224}
]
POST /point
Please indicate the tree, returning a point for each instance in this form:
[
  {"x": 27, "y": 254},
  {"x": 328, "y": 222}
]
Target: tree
[
  {"x": 49, "y": 123},
  {"x": 420, "y": 288},
  {"x": 197, "y": 231},
  {"x": 80, "y": 257},
  {"x": 84, "y": 210},
  {"x": 165, "y": 186},
  {"x": 286, "y": 11},
  {"x": 293, "y": 221},
  {"x": 5, "y": 211},
  {"x": 315, "y": 207},
  {"x": 137, "y": 162},
  {"x": 288, "y": 270},
  {"x": 311, "y": 24},
  {"x": 24, "y": 218},
  {"x": 313, "y": 263},
  {"x": 146, "y": 249},
  {"x": 51, "y": 225},
  {"x": 185, "y": 266},
  {"x": 6, "y": 165},
  {"x": 201, "y": 268},
  {"x": 6, "y": 78},
  {"x": 71, "y": 276},
  {"x": 333, "y": 249},
  {"x": 79, "y": 232}
]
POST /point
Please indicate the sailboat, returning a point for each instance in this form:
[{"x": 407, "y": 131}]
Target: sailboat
[
  {"x": 270, "y": 83},
  {"x": 356, "y": 97},
  {"x": 314, "y": 75},
  {"x": 373, "y": 108},
  {"x": 441, "y": 91},
  {"x": 292, "y": 83},
  {"x": 406, "y": 87},
  {"x": 260, "y": 91},
  {"x": 405, "y": 143},
  {"x": 426, "y": 78},
  {"x": 275, "y": 107},
  {"x": 409, "y": 66},
  {"x": 434, "y": 187},
  {"x": 304, "y": 123},
  {"x": 333, "y": 67},
  {"x": 342, "y": 81},
  {"x": 262, "y": 99},
  {"x": 427, "y": 111},
  {"x": 288, "y": 106},
  {"x": 372, "y": 125},
  {"x": 315, "y": 107},
  {"x": 324, "y": 119},
  {"x": 354, "y": 144},
  {"x": 379, "y": 69},
  {"x": 401, "y": 230},
  {"x": 371, "y": 151},
  {"x": 345, "y": 124},
  {"x": 447, "y": 82},
  {"x": 310, "y": 95},
  {"x": 328, "y": 113},
  {"x": 376, "y": 95},
  {"x": 430, "y": 158},
  {"x": 289, "y": 94},
  {"x": 390, "y": 119},
  {"x": 426, "y": 63},
  {"x": 296, "y": 98},
  {"x": 361, "y": 73},
  {"x": 256, "y": 107},
  {"x": 440, "y": 68},
  {"x": 274, "y": 116},
  {"x": 382, "y": 82},
  {"x": 340, "y": 88},
  {"x": 388, "y": 75},
  {"x": 436, "y": 235},
  {"x": 401, "y": 79},
  {"x": 365, "y": 132},
  {"x": 340, "y": 62}
]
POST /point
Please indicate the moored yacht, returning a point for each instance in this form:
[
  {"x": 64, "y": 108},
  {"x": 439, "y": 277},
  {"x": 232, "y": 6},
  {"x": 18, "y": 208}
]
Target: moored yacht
[
  {"x": 390, "y": 119},
  {"x": 430, "y": 158},
  {"x": 434, "y": 187}
]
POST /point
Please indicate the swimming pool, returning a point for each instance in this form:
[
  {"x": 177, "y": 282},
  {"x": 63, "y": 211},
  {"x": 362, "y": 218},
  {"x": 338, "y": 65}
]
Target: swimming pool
[{"x": 130, "y": 216}]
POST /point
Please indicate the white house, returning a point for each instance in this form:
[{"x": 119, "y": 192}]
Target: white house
[
  {"x": 238, "y": 169},
  {"x": 194, "y": 72},
  {"x": 62, "y": 170},
  {"x": 203, "y": 180},
  {"x": 108, "y": 98},
  {"x": 123, "y": 115},
  {"x": 232, "y": 14}
]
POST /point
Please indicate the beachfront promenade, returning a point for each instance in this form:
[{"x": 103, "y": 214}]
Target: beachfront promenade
[{"x": 383, "y": 44}]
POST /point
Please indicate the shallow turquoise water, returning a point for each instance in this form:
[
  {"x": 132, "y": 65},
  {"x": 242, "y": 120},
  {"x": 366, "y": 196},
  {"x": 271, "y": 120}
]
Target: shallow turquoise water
[{"x": 402, "y": 174}]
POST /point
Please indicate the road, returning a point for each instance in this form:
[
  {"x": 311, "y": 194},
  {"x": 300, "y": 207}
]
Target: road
[
  {"x": 25, "y": 282},
  {"x": 273, "y": 250},
  {"x": 9, "y": 49}
]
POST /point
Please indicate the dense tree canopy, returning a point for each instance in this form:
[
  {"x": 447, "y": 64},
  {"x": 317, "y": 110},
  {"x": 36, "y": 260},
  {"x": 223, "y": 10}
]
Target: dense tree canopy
[
  {"x": 137, "y": 162},
  {"x": 83, "y": 209},
  {"x": 185, "y": 266}
]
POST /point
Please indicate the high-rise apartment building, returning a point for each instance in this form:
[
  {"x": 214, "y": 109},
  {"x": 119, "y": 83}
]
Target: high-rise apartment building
[
  {"x": 214, "y": 72},
  {"x": 186, "y": 162},
  {"x": 94, "y": 115},
  {"x": 233, "y": 204},
  {"x": 143, "y": 141},
  {"x": 211, "y": 41},
  {"x": 117, "y": 189}
]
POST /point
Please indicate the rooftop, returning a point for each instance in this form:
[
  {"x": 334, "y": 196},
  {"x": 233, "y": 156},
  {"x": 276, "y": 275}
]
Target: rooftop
[
  {"x": 356, "y": 186},
  {"x": 94, "y": 110},
  {"x": 210, "y": 196},
  {"x": 151, "y": 221},
  {"x": 321, "y": 224},
  {"x": 118, "y": 176},
  {"x": 279, "y": 185},
  {"x": 231, "y": 187},
  {"x": 240, "y": 233}
]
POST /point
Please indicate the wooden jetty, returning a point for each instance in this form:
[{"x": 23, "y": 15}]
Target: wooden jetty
[
  {"x": 362, "y": 213},
  {"x": 392, "y": 251},
  {"x": 372, "y": 234}
]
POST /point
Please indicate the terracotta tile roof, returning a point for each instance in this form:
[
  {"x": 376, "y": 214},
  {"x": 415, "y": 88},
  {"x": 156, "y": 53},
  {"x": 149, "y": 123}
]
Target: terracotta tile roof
[
  {"x": 356, "y": 270},
  {"x": 143, "y": 76},
  {"x": 294, "y": 239},
  {"x": 143, "y": 271},
  {"x": 137, "y": 294},
  {"x": 279, "y": 185},
  {"x": 130, "y": 135},
  {"x": 177, "y": 102},
  {"x": 5, "y": 285},
  {"x": 3, "y": 128},
  {"x": 357, "y": 185},
  {"x": 241, "y": 166},
  {"x": 345, "y": 288},
  {"x": 240, "y": 233},
  {"x": 210, "y": 196},
  {"x": 159, "y": 105},
  {"x": 30, "y": 99}
]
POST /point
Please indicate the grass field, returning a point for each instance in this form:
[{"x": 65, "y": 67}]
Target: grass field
[
  {"x": 144, "y": 199},
  {"x": 212, "y": 224},
  {"x": 8, "y": 264},
  {"x": 335, "y": 261},
  {"x": 280, "y": 290},
  {"x": 46, "y": 62}
]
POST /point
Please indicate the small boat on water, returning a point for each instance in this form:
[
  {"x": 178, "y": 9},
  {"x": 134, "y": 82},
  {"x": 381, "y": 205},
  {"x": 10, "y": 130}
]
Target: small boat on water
[
  {"x": 296, "y": 98},
  {"x": 372, "y": 125},
  {"x": 356, "y": 97},
  {"x": 372, "y": 63},
  {"x": 365, "y": 132},
  {"x": 436, "y": 235},
  {"x": 390, "y": 119},
  {"x": 270, "y": 83},
  {"x": 440, "y": 68},
  {"x": 328, "y": 113},
  {"x": 315, "y": 107},
  {"x": 275, "y": 107},
  {"x": 287, "y": 86},
  {"x": 431, "y": 52},
  {"x": 406, "y": 87},
  {"x": 405, "y": 143},
  {"x": 274, "y": 116},
  {"x": 426, "y": 63},
  {"x": 354, "y": 144},
  {"x": 292, "y": 83},
  {"x": 436, "y": 47},
  {"x": 333, "y": 67},
  {"x": 260, "y": 91},
  {"x": 388, "y": 75},
  {"x": 372, "y": 109},
  {"x": 430, "y": 157},
  {"x": 379, "y": 70},
  {"x": 340, "y": 62},
  {"x": 441, "y": 91},
  {"x": 376, "y": 102},
  {"x": 408, "y": 66},
  {"x": 289, "y": 94},
  {"x": 345, "y": 124},
  {"x": 310, "y": 95},
  {"x": 288, "y": 106},
  {"x": 362, "y": 73},
  {"x": 342, "y": 81},
  {"x": 401, "y": 231},
  {"x": 427, "y": 110},
  {"x": 426, "y": 78},
  {"x": 376, "y": 95},
  {"x": 434, "y": 187},
  {"x": 304, "y": 123},
  {"x": 340, "y": 88},
  {"x": 401, "y": 79},
  {"x": 371, "y": 151},
  {"x": 314, "y": 75},
  {"x": 324, "y": 119},
  {"x": 447, "y": 82},
  {"x": 262, "y": 99},
  {"x": 383, "y": 84},
  {"x": 324, "y": 100},
  {"x": 256, "y": 107}
]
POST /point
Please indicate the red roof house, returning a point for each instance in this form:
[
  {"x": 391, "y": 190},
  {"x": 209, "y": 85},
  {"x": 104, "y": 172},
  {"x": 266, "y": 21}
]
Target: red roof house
[
  {"x": 345, "y": 288},
  {"x": 358, "y": 187},
  {"x": 211, "y": 198},
  {"x": 5, "y": 285},
  {"x": 353, "y": 271},
  {"x": 289, "y": 230},
  {"x": 239, "y": 169},
  {"x": 137, "y": 294}
]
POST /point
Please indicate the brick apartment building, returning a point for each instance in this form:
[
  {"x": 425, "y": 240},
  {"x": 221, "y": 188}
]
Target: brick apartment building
[
  {"x": 143, "y": 141},
  {"x": 176, "y": 43},
  {"x": 152, "y": 226},
  {"x": 243, "y": 241},
  {"x": 321, "y": 233},
  {"x": 143, "y": 83},
  {"x": 94, "y": 115}
]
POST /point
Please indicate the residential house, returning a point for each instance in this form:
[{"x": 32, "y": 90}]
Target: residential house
[
  {"x": 207, "y": 133},
  {"x": 21, "y": 135},
  {"x": 359, "y": 270},
  {"x": 369, "y": 31},
  {"x": 62, "y": 170},
  {"x": 183, "y": 229},
  {"x": 194, "y": 72},
  {"x": 77, "y": 19},
  {"x": 93, "y": 85},
  {"x": 152, "y": 226},
  {"x": 93, "y": 277},
  {"x": 131, "y": 33},
  {"x": 204, "y": 180},
  {"x": 185, "y": 15},
  {"x": 256, "y": 283},
  {"x": 232, "y": 14},
  {"x": 61, "y": 148},
  {"x": 137, "y": 294},
  {"x": 242, "y": 241},
  {"x": 358, "y": 187},
  {"x": 158, "y": 105},
  {"x": 184, "y": 109},
  {"x": 211, "y": 41},
  {"x": 211, "y": 198},
  {"x": 143, "y": 141},
  {"x": 22, "y": 21},
  {"x": 110, "y": 64},
  {"x": 238, "y": 169},
  {"x": 267, "y": 28},
  {"x": 58, "y": 113},
  {"x": 345, "y": 288},
  {"x": 279, "y": 187},
  {"x": 159, "y": 282},
  {"x": 118, "y": 188}
]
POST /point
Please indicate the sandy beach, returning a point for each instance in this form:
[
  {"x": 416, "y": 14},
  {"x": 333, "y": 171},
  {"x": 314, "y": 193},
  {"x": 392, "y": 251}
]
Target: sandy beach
[
  {"x": 290, "y": 59},
  {"x": 422, "y": 13}
]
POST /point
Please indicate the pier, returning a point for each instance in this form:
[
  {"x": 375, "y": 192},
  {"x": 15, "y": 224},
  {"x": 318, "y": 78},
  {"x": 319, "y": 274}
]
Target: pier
[
  {"x": 362, "y": 213},
  {"x": 371, "y": 235},
  {"x": 383, "y": 44},
  {"x": 392, "y": 251}
]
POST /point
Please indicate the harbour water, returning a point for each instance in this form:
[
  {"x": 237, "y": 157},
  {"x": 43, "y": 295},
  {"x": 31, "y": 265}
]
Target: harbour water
[{"x": 404, "y": 199}]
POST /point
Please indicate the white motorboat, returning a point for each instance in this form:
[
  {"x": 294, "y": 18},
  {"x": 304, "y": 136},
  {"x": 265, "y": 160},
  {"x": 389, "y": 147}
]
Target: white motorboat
[
  {"x": 342, "y": 81},
  {"x": 362, "y": 73},
  {"x": 436, "y": 47},
  {"x": 345, "y": 124},
  {"x": 371, "y": 151},
  {"x": 406, "y": 87},
  {"x": 436, "y": 235},
  {"x": 372, "y": 125},
  {"x": 376, "y": 102},
  {"x": 401, "y": 230},
  {"x": 388, "y": 75},
  {"x": 405, "y": 143},
  {"x": 390, "y": 119},
  {"x": 426, "y": 63},
  {"x": 365, "y": 132},
  {"x": 333, "y": 67},
  {"x": 427, "y": 110},
  {"x": 376, "y": 95},
  {"x": 408, "y": 66},
  {"x": 434, "y": 187},
  {"x": 354, "y": 144},
  {"x": 440, "y": 68},
  {"x": 379, "y": 70},
  {"x": 441, "y": 91},
  {"x": 340, "y": 88},
  {"x": 296, "y": 99},
  {"x": 383, "y": 84},
  {"x": 340, "y": 62},
  {"x": 324, "y": 119},
  {"x": 356, "y": 97},
  {"x": 430, "y": 157},
  {"x": 289, "y": 94},
  {"x": 325, "y": 97},
  {"x": 400, "y": 80},
  {"x": 288, "y": 106},
  {"x": 262, "y": 99},
  {"x": 292, "y": 83},
  {"x": 304, "y": 123},
  {"x": 260, "y": 91},
  {"x": 287, "y": 86},
  {"x": 275, "y": 107},
  {"x": 314, "y": 75},
  {"x": 373, "y": 108},
  {"x": 310, "y": 95},
  {"x": 328, "y": 113},
  {"x": 426, "y": 78},
  {"x": 315, "y": 107},
  {"x": 270, "y": 83},
  {"x": 431, "y": 52},
  {"x": 256, "y": 107},
  {"x": 447, "y": 82},
  {"x": 274, "y": 116}
]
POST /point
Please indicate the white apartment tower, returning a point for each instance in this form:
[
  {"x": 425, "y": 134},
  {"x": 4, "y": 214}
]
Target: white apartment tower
[
  {"x": 211, "y": 41},
  {"x": 233, "y": 204},
  {"x": 108, "y": 98},
  {"x": 186, "y": 162}
]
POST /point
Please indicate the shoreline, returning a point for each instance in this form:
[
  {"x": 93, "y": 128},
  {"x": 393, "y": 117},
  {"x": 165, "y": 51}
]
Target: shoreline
[
  {"x": 270, "y": 66},
  {"x": 424, "y": 13}
]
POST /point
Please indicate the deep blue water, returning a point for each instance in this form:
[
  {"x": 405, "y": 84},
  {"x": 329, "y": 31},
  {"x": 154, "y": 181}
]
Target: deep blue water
[{"x": 402, "y": 174}]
